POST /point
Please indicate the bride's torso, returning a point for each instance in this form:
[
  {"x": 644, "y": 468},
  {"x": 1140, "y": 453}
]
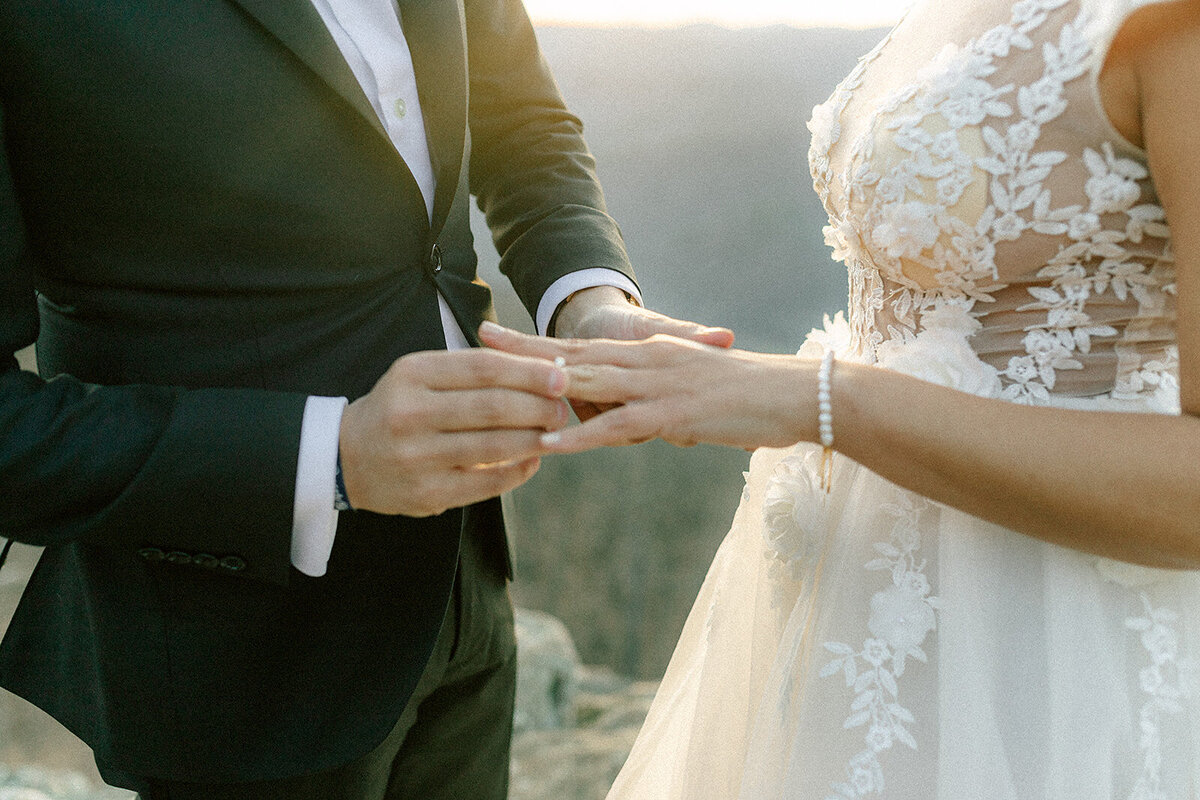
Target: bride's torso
[{"x": 968, "y": 162}]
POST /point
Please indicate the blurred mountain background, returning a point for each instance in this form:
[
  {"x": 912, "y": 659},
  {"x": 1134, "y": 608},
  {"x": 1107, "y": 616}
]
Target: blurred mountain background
[{"x": 700, "y": 137}]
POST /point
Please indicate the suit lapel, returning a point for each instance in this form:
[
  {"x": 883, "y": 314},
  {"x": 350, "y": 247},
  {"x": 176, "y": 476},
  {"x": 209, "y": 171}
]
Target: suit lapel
[
  {"x": 299, "y": 27},
  {"x": 436, "y": 37}
]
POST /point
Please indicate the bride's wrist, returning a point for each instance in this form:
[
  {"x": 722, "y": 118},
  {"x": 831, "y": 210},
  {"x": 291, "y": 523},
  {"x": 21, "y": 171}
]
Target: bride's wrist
[
  {"x": 808, "y": 403},
  {"x": 852, "y": 389},
  {"x": 790, "y": 403}
]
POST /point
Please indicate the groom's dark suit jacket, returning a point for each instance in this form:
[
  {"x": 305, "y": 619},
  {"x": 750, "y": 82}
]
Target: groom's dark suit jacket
[{"x": 201, "y": 223}]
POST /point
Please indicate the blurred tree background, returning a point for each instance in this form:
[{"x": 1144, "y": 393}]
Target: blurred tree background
[{"x": 700, "y": 137}]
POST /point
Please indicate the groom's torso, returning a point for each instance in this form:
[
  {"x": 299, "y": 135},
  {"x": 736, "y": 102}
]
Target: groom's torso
[
  {"x": 192, "y": 180},
  {"x": 207, "y": 200}
]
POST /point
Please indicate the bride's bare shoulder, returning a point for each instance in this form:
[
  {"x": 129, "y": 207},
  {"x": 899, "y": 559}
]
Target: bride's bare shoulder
[
  {"x": 1163, "y": 42},
  {"x": 1156, "y": 50}
]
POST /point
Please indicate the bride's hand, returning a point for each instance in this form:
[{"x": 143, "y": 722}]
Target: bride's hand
[
  {"x": 676, "y": 390},
  {"x": 606, "y": 312}
]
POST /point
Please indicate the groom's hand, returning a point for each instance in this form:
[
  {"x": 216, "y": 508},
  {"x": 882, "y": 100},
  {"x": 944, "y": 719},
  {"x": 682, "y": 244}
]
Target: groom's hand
[
  {"x": 445, "y": 429},
  {"x": 606, "y": 312}
]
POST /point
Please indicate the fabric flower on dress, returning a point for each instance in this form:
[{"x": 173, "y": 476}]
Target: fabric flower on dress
[
  {"x": 1042, "y": 100},
  {"x": 941, "y": 354},
  {"x": 1083, "y": 226},
  {"x": 997, "y": 41},
  {"x": 1023, "y": 135},
  {"x": 836, "y": 335},
  {"x": 972, "y": 102},
  {"x": 843, "y": 240},
  {"x": 1008, "y": 228},
  {"x": 793, "y": 508},
  {"x": 1113, "y": 186},
  {"x": 866, "y": 775},
  {"x": 1111, "y": 193},
  {"x": 908, "y": 230},
  {"x": 824, "y": 126},
  {"x": 900, "y": 617}
]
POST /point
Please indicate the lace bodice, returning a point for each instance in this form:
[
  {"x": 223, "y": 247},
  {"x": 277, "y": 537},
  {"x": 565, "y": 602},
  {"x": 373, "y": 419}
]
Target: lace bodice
[{"x": 967, "y": 161}]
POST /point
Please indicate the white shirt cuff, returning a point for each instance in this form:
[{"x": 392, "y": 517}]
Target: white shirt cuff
[
  {"x": 314, "y": 519},
  {"x": 574, "y": 282}
]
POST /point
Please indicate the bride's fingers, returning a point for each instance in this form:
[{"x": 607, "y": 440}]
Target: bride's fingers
[
  {"x": 605, "y": 385},
  {"x": 617, "y": 428},
  {"x": 500, "y": 338},
  {"x": 571, "y": 351}
]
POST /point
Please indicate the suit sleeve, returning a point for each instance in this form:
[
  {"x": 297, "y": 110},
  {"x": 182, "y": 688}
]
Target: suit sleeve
[
  {"x": 530, "y": 167},
  {"x": 149, "y": 470}
]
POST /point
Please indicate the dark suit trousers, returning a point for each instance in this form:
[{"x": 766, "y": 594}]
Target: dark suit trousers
[{"x": 451, "y": 741}]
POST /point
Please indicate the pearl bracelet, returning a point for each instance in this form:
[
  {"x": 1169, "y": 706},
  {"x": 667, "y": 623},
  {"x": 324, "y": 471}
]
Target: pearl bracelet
[{"x": 825, "y": 418}]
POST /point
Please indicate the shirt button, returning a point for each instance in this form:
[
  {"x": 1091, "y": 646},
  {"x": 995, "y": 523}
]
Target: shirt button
[
  {"x": 401, "y": 108},
  {"x": 435, "y": 259}
]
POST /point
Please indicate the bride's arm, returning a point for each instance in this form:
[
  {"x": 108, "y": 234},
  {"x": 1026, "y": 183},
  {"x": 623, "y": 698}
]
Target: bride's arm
[
  {"x": 1126, "y": 486},
  {"x": 1121, "y": 485}
]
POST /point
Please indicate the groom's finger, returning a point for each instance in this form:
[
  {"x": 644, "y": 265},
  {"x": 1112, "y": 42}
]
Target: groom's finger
[
  {"x": 483, "y": 368},
  {"x": 510, "y": 341},
  {"x": 461, "y": 487},
  {"x": 480, "y": 449},
  {"x": 492, "y": 409},
  {"x": 605, "y": 385}
]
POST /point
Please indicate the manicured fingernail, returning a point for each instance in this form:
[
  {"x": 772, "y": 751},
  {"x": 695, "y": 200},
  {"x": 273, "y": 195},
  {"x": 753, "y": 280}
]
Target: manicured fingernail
[
  {"x": 550, "y": 439},
  {"x": 488, "y": 326},
  {"x": 558, "y": 382}
]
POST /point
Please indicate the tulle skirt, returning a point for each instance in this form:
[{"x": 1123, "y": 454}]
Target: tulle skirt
[{"x": 869, "y": 642}]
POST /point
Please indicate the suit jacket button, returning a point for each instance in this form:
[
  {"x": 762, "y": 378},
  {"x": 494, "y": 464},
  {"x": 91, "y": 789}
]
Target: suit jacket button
[
  {"x": 179, "y": 557},
  {"x": 151, "y": 554},
  {"x": 233, "y": 563},
  {"x": 435, "y": 260},
  {"x": 206, "y": 561}
]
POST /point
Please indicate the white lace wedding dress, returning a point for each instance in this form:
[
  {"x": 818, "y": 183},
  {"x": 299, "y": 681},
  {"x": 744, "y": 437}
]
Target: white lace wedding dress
[{"x": 1001, "y": 238}]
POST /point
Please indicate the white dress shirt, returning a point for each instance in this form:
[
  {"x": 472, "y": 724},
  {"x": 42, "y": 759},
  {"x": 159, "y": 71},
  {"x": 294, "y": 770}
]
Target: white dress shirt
[{"x": 369, "y": 36}]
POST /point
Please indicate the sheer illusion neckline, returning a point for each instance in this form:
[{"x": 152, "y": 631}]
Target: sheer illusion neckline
[{"x": 994, "y": 179}]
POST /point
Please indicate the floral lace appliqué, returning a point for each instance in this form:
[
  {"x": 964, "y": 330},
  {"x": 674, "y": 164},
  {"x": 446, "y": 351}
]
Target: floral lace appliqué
[
  {"x": 894, "y": 216},
  {"x": 1095, "y": 263},
  {"x": 901, "y": 617},
  {"x": 1162, "y": 684}
]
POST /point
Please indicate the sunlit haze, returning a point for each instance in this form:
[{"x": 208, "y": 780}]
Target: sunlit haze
[{"x": 734, "y": 13}]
